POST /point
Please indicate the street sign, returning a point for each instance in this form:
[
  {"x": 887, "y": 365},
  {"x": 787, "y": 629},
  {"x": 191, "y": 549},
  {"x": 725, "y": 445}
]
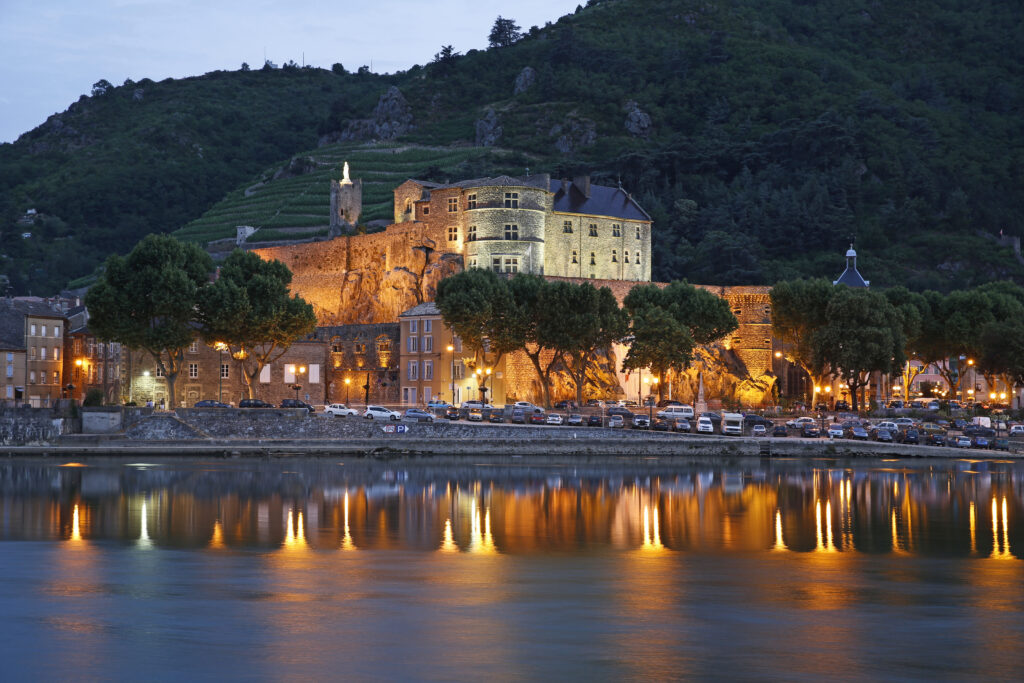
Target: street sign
[{"x": 395, "y": 429}]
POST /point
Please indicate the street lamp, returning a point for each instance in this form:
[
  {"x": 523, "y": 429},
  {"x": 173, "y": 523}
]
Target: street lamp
[
  {"x": 348, "y": 381},
  {"x": 451, "y": 350},
  {"x": 220, "y": 346},
  {"x": 299, "y": 371}
]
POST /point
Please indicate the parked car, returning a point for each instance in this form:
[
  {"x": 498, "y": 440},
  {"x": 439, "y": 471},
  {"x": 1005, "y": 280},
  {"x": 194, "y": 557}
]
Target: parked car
[
  {"x": 1017, "y": 430},
  {"x": 1000, "y": 444},
  {"x": 799, "y": 422},
  {"x": 496, "y": 417},
  {"x": 594, "y": 421},
  {"x": 254, "y": 403},
  {"x": 961, "y": 442},
  {"x": 705, "y": 425},
  {"x": 340, "y": 410},
  {"x": 980, "y": 442},
  {"x": 932, "y": 428},
  {"x": 554, "y": 419},
  {"x": 842, "y": 405},
  {"x": 810, "y": 432},
  {"x": 889, "y": 426},
  {"x": 896, "y": 405},
  {"x": 836, "y": 431},
  {"x": 418, "y": 415},
  {"x": 210, "y": 403},
  {"x": 759, "y": 430},
  {"x": 296, "y": 403},
  {"x": 538, "y": 418},
  {"x": 933, "y": 405},
  {"x": 911, "y": 436},
  {"x": 452, "y": 413},
  {"x": 619, "y": 410},
  {"x": 940, "y": 440},
  {"x": 574, "y": 420},
  {"x": 518, "y": 416},
  {"x": 681, "y": 424},
  {"x": 437, "y": 404},
  {"x": 660, "y": 424},
  {"x": 641, "y": 422},
  {"x": 676, "y": 410},
  {"x": 905, "y": 422},
  {"x": 630, "y": 403},
  {"x": 467, "y": 405},
  {"x": 780, "y": 430},
  {"x": 665, "y": 402},
  {"x": 616, "y": 422},
  {"x": 475, "y": 415},
  {"x": 565, "y": 405},
  {"x": 595, "y": 403},
  {"x": 525, "y": 405},
  {"x": 883, "y": 435},
  {"x": 381, "y": 413}
]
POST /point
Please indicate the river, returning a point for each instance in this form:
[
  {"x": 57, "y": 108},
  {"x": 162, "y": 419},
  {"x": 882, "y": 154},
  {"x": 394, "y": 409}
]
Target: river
[{"x": 511, "y": 569}]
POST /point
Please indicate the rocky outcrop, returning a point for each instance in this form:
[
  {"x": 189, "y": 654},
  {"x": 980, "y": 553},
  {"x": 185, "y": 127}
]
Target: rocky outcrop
[
  {"x": 488, "y": 130},
  {"x": 638, "y": 122},
  {"x": 525, "y": 80},
  {"x": 392, "y": 118},
  {"x": 296, "y": 167},
  {"x": 573, "y": 133}
]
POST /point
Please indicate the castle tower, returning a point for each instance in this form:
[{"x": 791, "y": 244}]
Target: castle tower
[{"x": 346, "y": 201}]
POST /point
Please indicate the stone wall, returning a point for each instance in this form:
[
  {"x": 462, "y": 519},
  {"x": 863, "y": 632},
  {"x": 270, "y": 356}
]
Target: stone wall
[
  {"x": 614, "y": 254},
  {"x": 31, "y": 426}
]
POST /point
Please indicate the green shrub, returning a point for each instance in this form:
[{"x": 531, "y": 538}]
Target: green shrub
[{"x": 93, "y": 398}]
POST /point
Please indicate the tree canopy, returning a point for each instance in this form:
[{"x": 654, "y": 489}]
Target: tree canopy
[{"x": 505, "y": 32}]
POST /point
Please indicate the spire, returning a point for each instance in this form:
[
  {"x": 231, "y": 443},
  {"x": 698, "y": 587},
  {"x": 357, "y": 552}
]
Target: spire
[{"x": 851, "y": 277}]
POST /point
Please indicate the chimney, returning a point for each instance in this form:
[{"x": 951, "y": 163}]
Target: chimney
[{"x": 582, "y": 183}]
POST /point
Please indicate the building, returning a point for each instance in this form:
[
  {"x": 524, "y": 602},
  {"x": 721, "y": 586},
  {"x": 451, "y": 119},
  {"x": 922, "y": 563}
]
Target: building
[
  {"x": 851, "y": 277},
  {"x": 32, "y": 337},
  {"x": 90, "y": 363},
  {"x": 363, "y": 362}
]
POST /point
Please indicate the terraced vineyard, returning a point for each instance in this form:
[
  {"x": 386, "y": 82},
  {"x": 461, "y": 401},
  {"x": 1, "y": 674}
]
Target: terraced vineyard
[{"x": 294, "y": 207}]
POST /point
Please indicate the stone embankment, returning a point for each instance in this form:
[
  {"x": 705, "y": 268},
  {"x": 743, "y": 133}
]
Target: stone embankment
[{"x": 233, "y": 432}]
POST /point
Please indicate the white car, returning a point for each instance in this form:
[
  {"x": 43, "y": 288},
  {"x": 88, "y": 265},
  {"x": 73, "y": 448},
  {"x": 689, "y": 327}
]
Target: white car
[
  {"x": 525, "y": 405},
  {"x": 554, "y": 419},
  {"x": 476, "y": 404},
  {"x": 1017, "y": 430},
  {"x": 799, "y": 422},
  {"x": 836, "y": 431},
  {"x": 340, "y": 410},
  {"x": 381, "y": 413},
  {"x": 759, "y": 430},
  {"x": 705, "y": 426},
  {"x": 673, "y": 412}
]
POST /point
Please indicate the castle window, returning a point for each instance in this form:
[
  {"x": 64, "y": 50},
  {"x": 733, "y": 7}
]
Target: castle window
[
  {"x": 496, "y": 264},
  {"x": 567, "y": 227},
  {"x": 471, "y": 234},
  {"x": 159, "y": 371},
  {"x": 638, "y": 257},
  {"x": 574, "y": 259},
  {"x": 472, "y": 263},
  {"x": 453, "y": 234},
  {"x": 453, "y": 204},
  {"x": 511, "y": 232},
  {"x": 471, "y": 201},
  {"x": 616, "y": 230},
  {"x": 426, "y": 210},
  {"x": 408, "y": 206},
  {"x": 511, "y": 200},
  {"x": 336, "y": 345},
  {"x": 593, "y": 260},
  {"x": 593, "y": 229},
  {"x": 625, "y": 256},
  {"x": 511, "y": 265},
  {"x": 638, "y": 232},
  {"x": 360, "y": 347},
  {"x": 615, "y": 256}
]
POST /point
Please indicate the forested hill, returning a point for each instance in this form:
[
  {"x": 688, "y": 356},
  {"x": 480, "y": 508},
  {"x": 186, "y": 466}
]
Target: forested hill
[{"x": 760, "y": 134}]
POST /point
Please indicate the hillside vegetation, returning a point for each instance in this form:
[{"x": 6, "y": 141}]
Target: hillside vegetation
[{"x": 761, "y": 136}]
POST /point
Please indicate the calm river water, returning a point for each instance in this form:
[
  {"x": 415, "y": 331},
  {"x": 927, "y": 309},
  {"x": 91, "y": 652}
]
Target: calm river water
[{"x": 515, "y": 569}]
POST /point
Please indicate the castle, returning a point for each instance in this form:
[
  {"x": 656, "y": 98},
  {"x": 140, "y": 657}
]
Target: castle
[{"x": 559, "y": 228}]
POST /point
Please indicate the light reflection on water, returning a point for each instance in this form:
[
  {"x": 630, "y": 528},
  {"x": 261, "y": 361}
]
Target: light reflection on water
[{"x": 659, "y": 570}]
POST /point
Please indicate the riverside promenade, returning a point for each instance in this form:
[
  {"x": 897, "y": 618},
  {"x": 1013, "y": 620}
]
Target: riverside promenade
[{"x": 293, "y": 433}]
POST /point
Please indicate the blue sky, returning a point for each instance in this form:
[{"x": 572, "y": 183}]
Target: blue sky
[{"x": 52, "y": 51}]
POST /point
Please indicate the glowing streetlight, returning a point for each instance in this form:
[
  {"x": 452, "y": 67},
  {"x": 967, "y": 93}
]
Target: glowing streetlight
[{"x": 348, "y": 381}]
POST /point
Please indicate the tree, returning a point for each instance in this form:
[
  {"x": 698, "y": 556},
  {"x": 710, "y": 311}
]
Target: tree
[
  {"x": 590, "y": 320},
  {"x": 916, "y": 319},
  {"x": 147, "y": 301},
  {"x": 798, "y": 310},
  {"x": 338, "y": 68},
  {"x": 668, "y": 323},
  {"x": 505, "y": 32},
  {"x": 245, "y": 66},
  {"x": 536, "y": 306},
  {"x": 862, "y": 333},
  {"x": 101, "y": 87},
  {"x": 477, "y": 304},
  {"x": 249, "y": 309},
  {"x": 447, "y": 56}
]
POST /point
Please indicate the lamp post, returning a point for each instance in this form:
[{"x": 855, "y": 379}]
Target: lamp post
[
  {"x": 970, "y": 366},
  {"x": 451, "y": 350},
  {"x": 299, "y": 371},
  {"x": 348, "y": 381},
  {"x": 220, "y": 346}
]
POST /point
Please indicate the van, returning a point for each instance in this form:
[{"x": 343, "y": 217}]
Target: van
[
  {"x": 732, "y": 424},
  {"x": 672, "y": 412},
  {"x": 983, "y": 421},
  {"x": 704, "y": 426}
]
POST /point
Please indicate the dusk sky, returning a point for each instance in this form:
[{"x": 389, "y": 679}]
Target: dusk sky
[{"x": 52, "y": 51}]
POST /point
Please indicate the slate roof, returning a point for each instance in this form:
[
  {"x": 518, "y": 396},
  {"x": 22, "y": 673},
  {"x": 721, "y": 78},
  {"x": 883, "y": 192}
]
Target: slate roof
[
  {"x": 603, "y": 201},
  {"x": 426, "y": 308},
  {"x": 851, "y": 277},
  {"x": 12, "y": 329}
]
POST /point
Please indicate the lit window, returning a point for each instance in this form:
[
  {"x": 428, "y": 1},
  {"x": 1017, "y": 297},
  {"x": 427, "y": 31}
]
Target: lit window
[
  {"x": 56, "y": 377},
  {"x": 471, "y": 201},
  {"x": 32, "y": 353},
  {"x": 511, "y": 200},
  {"x": 574, "y": 257},
  {"x": 511, "y": 232},
  {"x": 453, "y": 204},
  {"x": 616, "y": 230},
  {"x": 511, "y": 265},
  {"x": 453, "y": 234},
  {"x": 615, "y": 256},
  {"x": 193, "y": 370},
  {"x": 471, "y": 234},
  {"x": 567, "y": 227},
  {"x": 593, "y": 229}
]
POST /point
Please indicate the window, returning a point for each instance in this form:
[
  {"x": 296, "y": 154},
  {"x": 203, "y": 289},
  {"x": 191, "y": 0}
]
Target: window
[
  {"x": 42, "y": 353},
  {"x": 336, "y": 345},
  {"x": 593, "y": 259},
  {"x": 472, "y": 262},
  {"x": 457, "y": 343},
  {"x": 428, "y": 326},
  {"x": 638, "y": 257},
  {"x": 428, "y": 369},
  {"x": 56, "y": 330},
  {"x": 408, "y": 395},
  {"x": 289, "y": 374},
  {"x": 10, "y": 391},
  {"x": 428, "y": 344},
  {"x": 453, "y": 204},
  {"x": 453, "y": 234},
  {"x": 32, "y": 353},
  {"x": 56, "y": 353},
  {"x": 575, "y": 259},
  {"x": 32, "y": 377},
  {"x": 593, "y": 229},
  {"x": 638, "y": 232},
  {"x": 496, "y": 264},
  {"x": 511, "y": 265},
  {"x": 56, "y": 377},
  {"x": 193, "y": 370},
  {"x": 76, "y": 346},
  {"x": 10, "y": 356},
  {"x": 42, "y": 333},
  {"x": 460, "y": 370},
  {"x": 615, "y": 256},
  {"x": 567, "y": 227},
  {"x": 413, "y": 370},
  {"x": 471, "y": 201},
  {"x": 414, "y": 326},
  {"x": 511, "y": 200},
  {"x": 193, "y": 347},
  {"x": 32, "y": 330},
  {"x": 265, "y": 375},
  {"x": 625, "y": 256},
  {"x": 159, "y": 371},
  {"x": 616, "y": 230},
  {"x": 511, "y": 232},
  {"x": 413, "y": 344},
  {"x": 225, "y": 371},
  {"x": 314, "y": 373},
  {"x": 426, "y": 210},
  {"x": 10, "y": 370},
  {"x": 471, "y": 233}
]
